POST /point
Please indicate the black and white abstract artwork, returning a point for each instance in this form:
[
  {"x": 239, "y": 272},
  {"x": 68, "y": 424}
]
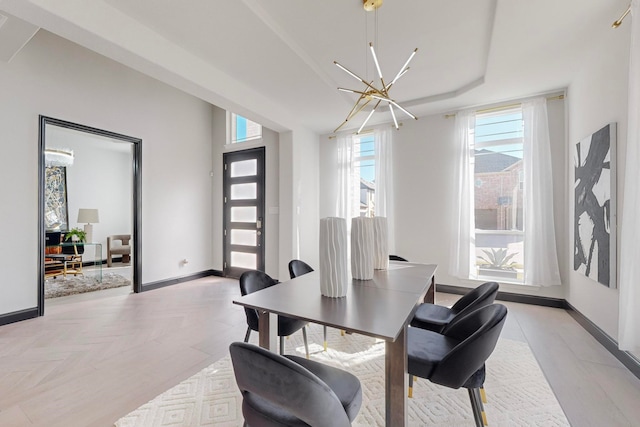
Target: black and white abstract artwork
[
  {"x": 56, "y": 214},
  {"x": 595, "y": 206}
]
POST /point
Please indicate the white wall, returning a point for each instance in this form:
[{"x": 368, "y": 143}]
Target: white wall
[
  {"x": 598, "y": 96},
  {"x": 56, "y": 78},
  {"x": 424, "y": 159}
]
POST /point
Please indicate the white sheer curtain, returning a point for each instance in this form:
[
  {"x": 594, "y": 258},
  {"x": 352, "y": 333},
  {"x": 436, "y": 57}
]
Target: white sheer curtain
[
  {"x": 629, "y": 320},
  {"x": 384, "y": 179},
  {"x": 462, "y": 262},
  {"x": 540, "y": 255},
  {"x": 346, "y": 203}
]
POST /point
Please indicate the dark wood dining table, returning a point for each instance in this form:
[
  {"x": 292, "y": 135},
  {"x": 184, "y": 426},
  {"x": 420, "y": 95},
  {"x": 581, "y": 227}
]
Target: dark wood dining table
[{"x": 380, "y": 308}]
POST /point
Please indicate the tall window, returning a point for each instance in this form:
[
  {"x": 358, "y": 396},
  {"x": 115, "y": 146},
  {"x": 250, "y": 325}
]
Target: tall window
[
  {"x": 497, "y": 165},
  {"x": 364, "y": 171},
  {"x": 243, "y": 129}
]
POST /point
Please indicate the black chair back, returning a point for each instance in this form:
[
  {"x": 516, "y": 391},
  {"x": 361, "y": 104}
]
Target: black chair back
[
  {"x": 478, "y": 333},
  {"x": 270, "y": 383},
  {"x": 298, "y": 268},
  {"x": 479, "y": 297},
  {"x": 397, "y": 258},
  {"x": 252, "y": 281}
]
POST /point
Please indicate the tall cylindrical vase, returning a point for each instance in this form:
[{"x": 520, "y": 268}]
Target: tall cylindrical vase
[
  {"x": 334, "y": 272},
  {"x": 362, "y": 248},
  {"x": 380, "y": 243}
]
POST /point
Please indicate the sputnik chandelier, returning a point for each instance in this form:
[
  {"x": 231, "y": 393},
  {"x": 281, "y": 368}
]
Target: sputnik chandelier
[{"x": 370, "y": 91}]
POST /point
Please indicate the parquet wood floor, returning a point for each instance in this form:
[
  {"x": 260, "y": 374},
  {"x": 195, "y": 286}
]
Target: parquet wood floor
[{"x": 89, "y": 361}]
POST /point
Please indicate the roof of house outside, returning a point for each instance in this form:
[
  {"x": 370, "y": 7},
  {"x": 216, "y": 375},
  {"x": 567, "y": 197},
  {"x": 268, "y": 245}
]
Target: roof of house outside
[
  {"x": 367, "y": 184},
  {"x": 487, "y": 161}
]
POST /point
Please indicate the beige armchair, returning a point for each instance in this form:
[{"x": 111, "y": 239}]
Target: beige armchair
[{"x": 118, "y": 244}]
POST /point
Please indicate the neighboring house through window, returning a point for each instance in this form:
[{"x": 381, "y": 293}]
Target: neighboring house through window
[
  {"x": 364, "y": 165},
  {"x": 497, "y": 163}
]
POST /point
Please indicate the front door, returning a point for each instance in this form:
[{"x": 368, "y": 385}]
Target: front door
[{"x": 243, "y": 211}]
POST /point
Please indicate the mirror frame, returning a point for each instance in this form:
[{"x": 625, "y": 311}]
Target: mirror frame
[{"x": 137, "y": 198}]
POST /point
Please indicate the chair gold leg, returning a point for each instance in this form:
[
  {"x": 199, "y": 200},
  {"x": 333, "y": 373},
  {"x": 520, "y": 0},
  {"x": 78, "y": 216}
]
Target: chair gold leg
[
  {"x": 484, "y": 418},
  {"x": 411, "y": 378},
  {"x": 324, "y": 331},
  {"x": 341, "y": 332},
  {"x": 483, "y": 395}
]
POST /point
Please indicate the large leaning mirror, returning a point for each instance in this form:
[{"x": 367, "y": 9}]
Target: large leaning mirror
[{"x": 89, "y": 210}]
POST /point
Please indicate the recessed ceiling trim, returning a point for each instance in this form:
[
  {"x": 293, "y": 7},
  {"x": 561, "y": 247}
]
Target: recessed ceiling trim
[
  {"x": 283, "y": 35},
  {"x": 446, "y": 95}
]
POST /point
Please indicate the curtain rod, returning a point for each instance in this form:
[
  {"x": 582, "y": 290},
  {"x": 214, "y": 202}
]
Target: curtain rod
[
  {"x": 364, "y": 132},
  {"x": 505, "y": 107},
  {"x": 617, "y": 23}
]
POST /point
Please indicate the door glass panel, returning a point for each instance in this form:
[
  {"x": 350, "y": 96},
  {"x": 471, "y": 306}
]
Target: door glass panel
[
  {"x": 244, "y": 168},
  {"x": 244, "y": 214},
  {"x": 244, "y": 237},
  {"x": 244, "y": 191},
  {"x": 243, "y": 260}
]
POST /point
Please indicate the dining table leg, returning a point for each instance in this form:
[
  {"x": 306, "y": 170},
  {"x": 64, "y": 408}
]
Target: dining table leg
[
  {"x": 396, "y": 381},
  {"x": 430, "y": 296},
  {"x": 268, "y": 330}
]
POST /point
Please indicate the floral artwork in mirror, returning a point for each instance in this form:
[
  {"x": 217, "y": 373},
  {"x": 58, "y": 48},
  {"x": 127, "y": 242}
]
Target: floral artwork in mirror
[{"x": 56, "y": 215}]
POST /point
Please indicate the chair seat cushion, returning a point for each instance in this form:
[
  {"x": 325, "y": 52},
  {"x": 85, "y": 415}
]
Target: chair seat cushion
[
  {"x": 432, "y": 317},
  {"x": 288, "y": 325},
  {"x": 425, "y": 350},
  {"x": 120, "y": 250},
  {"x": 344, "y": 384}
]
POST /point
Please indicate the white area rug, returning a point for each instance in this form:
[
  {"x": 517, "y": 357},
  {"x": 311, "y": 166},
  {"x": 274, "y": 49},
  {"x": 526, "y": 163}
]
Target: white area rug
[
  {"x": 62, "y": 286},
  {"x": 517, "y": 392}
]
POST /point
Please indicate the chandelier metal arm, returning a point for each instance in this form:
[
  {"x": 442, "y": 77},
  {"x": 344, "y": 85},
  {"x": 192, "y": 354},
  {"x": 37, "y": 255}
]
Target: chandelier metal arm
[
  {"x": 395, "y": 121},
  {"x": 368, "y": 117},
  {"x": 354, "y": 75},
  {"x": 398, "y": 78},
  {"x": 405, "y": 67},
  {"x": 402, "y": 109},
  {"x": 375, "y": 60},
  {"x": 370, "y": 93},
  {"x": 353, "y": 111}
]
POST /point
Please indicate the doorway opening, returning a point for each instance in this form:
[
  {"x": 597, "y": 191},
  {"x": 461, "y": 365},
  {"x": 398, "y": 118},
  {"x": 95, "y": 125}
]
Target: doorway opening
[{"x": 102, "y": 197}]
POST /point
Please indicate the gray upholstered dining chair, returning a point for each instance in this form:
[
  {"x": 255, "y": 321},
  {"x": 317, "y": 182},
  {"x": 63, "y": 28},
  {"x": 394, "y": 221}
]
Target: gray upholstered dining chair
[
  {"x": 254, "y": 280},
  {"x": 456, "y": 357},
  {"x": 298, "y": 268},
  {"x": 292, "y": 391}
]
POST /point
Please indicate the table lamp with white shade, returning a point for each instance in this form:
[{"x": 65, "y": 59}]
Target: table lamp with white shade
[{"x": 88, "y": 216}]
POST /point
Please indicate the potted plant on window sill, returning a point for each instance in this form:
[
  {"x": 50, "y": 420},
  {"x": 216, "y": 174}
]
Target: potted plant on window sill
[{"x": 77, "y": 238}]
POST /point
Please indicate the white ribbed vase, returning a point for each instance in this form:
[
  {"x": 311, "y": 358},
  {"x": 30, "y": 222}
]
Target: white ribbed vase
[
  {"x": 334, "y": 271},
  {"x": 362, "y": 248},
  {"x": 380, "y": 243}
]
